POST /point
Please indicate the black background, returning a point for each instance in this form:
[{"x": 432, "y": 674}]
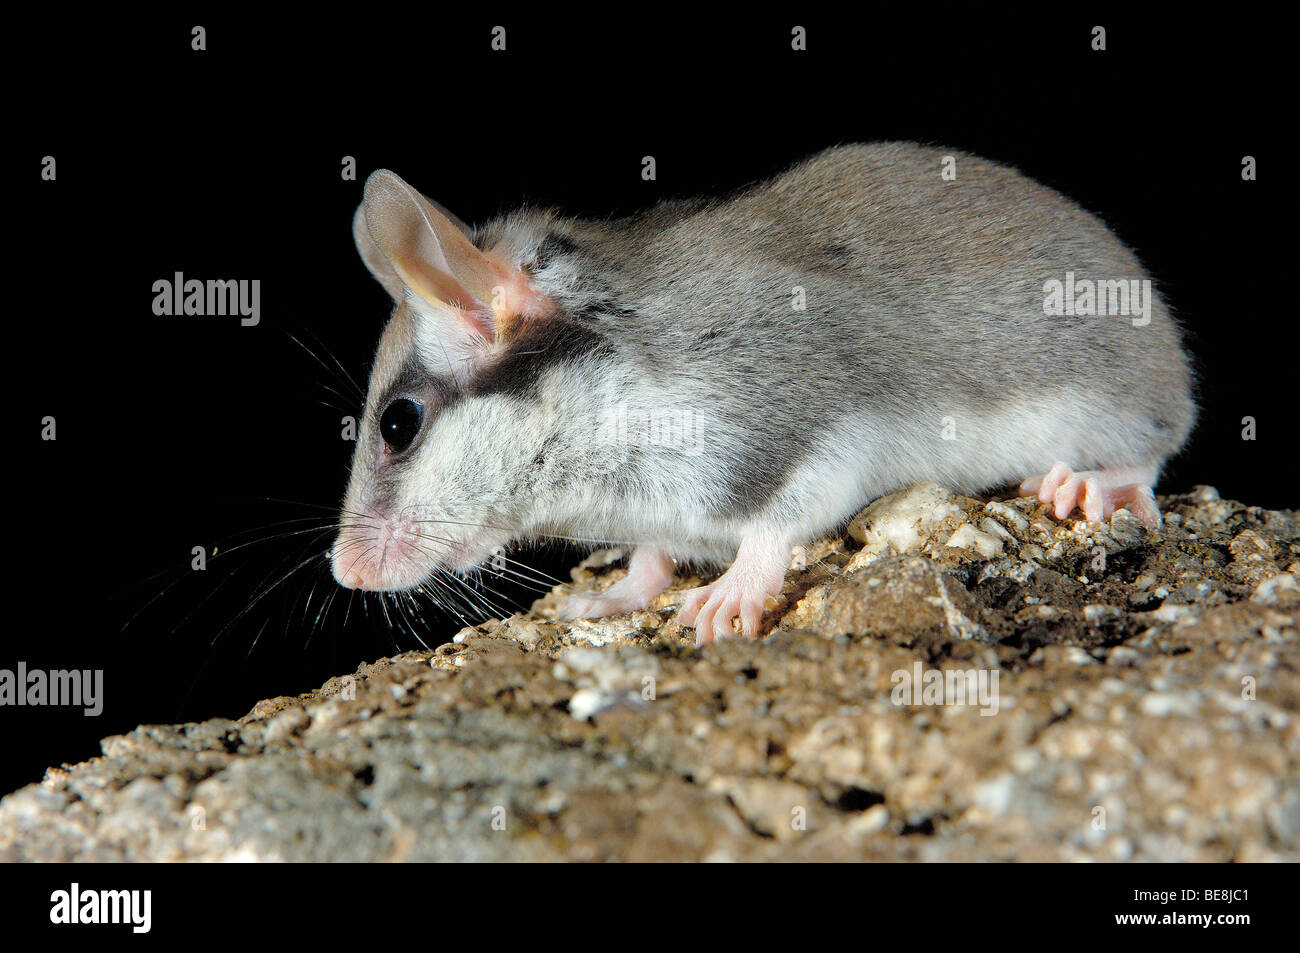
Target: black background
[{"x": 182, "y": 432}]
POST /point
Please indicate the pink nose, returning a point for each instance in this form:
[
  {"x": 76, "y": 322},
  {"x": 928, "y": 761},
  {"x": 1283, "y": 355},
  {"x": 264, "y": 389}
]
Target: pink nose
[
  {"x": 346, "y": 572},
  {"x": 352, "y": 580}
]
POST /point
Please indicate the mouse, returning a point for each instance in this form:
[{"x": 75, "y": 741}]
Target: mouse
[{"x": 714, "y": 381}]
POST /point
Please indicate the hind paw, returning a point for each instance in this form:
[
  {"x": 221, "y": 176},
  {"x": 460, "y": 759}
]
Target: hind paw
[{"x": 1097, "y": 493}]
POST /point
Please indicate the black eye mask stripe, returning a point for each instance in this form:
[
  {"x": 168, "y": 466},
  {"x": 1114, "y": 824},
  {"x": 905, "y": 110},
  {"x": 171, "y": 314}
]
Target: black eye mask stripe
[{"x": 519, "y": 371}]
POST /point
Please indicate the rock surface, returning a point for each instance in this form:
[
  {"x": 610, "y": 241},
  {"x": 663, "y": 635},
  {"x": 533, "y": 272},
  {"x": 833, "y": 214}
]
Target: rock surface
[{"x": 1140, "y": 703}]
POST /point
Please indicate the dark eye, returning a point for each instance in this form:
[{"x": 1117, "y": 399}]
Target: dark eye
[{"x": 399, "y": 423}]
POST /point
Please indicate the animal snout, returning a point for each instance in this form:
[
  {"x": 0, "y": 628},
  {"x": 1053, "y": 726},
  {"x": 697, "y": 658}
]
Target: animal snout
[{"x": 382, "y": 556}]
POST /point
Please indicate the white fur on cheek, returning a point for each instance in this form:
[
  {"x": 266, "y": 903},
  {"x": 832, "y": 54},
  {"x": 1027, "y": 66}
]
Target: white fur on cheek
[{"x": 457, "y": 490}]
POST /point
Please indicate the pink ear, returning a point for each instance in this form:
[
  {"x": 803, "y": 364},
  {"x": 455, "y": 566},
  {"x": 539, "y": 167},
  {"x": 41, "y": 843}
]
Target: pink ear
[{"x": 431, "y": 256}]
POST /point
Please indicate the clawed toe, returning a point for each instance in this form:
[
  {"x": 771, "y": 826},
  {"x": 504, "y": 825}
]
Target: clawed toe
[{"x": 1141, "y": 502}]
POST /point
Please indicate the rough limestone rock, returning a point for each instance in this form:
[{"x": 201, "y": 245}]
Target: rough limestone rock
[{"x": 1146, "y": 709}]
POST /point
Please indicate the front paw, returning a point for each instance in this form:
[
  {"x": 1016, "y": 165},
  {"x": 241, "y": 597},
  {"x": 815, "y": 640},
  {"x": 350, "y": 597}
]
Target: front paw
[
  {"x": 649, "y": 572},
  {"x": 712, "y": 610},
  {"x": 741, "y": 592},
  {"x": 598, "y": 605}
]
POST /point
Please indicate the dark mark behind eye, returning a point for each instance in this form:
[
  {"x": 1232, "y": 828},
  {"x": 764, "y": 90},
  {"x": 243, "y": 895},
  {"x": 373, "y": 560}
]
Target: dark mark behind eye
[{"x": 520, "y": 369}]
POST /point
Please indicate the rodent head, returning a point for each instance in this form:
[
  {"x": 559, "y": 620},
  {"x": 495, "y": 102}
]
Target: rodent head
[{"x": 436, "y": 481}]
